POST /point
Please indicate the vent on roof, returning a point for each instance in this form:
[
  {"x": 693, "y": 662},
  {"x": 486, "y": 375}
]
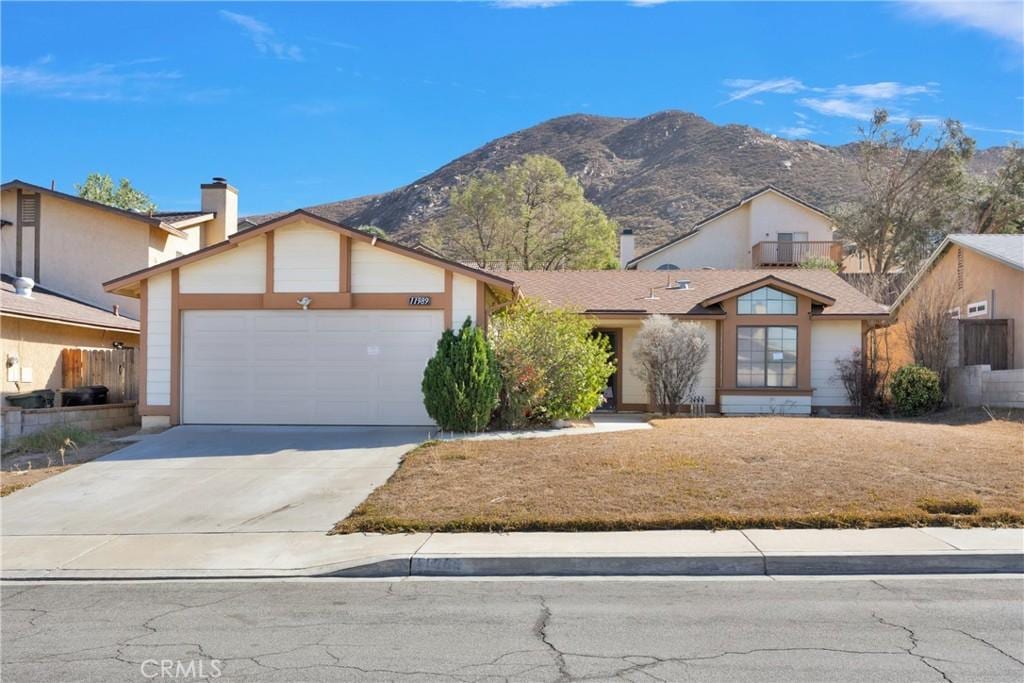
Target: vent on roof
[
  {"x": 23, "y": 286},
  {"x": 682, "y": 284}
]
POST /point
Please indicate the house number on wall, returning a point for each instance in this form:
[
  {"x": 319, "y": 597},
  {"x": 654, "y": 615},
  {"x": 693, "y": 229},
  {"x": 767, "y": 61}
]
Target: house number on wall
[{"x": 419, "y": 300}]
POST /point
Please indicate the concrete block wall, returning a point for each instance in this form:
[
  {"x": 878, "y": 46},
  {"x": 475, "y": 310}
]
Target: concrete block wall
[
  {"x": 19, "y": 422},
  {"x": 979, "y": 385}
]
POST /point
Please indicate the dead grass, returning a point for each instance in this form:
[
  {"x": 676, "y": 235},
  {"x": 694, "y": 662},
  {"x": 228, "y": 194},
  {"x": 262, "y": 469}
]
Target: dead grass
[{"x": 713, "y": 473}]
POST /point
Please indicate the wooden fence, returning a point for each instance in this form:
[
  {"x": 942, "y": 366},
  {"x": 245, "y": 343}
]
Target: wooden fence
[
  {"x": 113, "y": 368},
  {"x": 986, "y": 342}
]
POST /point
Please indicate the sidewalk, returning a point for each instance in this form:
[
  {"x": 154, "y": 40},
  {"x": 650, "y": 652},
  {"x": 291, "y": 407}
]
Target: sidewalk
[{"x": 754, "y": 552}]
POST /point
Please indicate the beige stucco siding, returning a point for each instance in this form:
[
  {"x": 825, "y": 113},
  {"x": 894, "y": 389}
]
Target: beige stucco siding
[
  {"x": 378, "y": 270},
  {"x": 463, "y": 299},
  {"x": 38, "y": 346},
  {"x": 633, "y": 389},
  {"x": 158, "y": 340},
  {"x": 771, "y": 214},
  {"x": 164, "y": 246},
  {"x": 831, "y": 340},
  {"x": 721, "y": 243},
  {"x": 306, "y": 259},
  {"x": 241, "y": 270}
]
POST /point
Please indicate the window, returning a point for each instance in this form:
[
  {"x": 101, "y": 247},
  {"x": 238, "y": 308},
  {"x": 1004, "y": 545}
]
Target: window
[
  {"x": 977, "y": 309},
  {"x": 668, "y": 266},
  {"x": 954, "y": 313},
  {"x": 765, "y": 356},
  {"x": 766, "y": 301}
]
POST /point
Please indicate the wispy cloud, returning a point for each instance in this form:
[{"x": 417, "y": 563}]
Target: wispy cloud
[
  {"x": 861, "y": 110},
  {"x": 528, "y": 4},
  {"x": 742, "y": 88},
  {"x": 795, "y": 131},
  {"x": 1001, "y": 19},
  {"x": 883, "y": 90},
  {"x": 121, "y": 81},
  {"x": 264, "y": 37}
]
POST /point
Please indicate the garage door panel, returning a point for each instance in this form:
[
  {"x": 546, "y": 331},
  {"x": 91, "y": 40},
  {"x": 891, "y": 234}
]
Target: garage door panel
[{"x": 306, "y": 367}]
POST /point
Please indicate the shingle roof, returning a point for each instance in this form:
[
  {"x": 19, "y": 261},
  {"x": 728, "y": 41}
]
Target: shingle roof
[
  {"x": 629, "y": 291},
  {"x": 1006, "y": 248},
  {"x": 45, "y": 304},
  {"x": 175, "y": 216}
]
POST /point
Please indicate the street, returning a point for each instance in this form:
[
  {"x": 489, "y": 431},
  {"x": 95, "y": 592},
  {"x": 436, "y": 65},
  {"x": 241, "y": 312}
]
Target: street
[{"x": 889, "y": 629}]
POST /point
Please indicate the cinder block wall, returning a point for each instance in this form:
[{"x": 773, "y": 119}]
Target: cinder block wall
[
  {"x": 19, "y": 422},
  {"x": 979, "y": 385}
]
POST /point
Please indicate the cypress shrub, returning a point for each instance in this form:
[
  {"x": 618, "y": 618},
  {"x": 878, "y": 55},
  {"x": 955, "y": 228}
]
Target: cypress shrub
[{"x": 460, "y": 383}]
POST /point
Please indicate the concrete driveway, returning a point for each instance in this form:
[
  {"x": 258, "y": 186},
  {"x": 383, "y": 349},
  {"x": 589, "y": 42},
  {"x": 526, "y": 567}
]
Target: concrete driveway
[{"x": 216, "y": 479}]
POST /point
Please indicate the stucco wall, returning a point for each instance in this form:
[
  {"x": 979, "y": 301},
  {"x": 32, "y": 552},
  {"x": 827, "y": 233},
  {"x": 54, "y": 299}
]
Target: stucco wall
[
  {"x": 38, "y": 346},
  {"x": 306, "y": 259},
  {"x": 633, "y": 389},
  {"x": 721, "y": 243},
  {"x": 831, "y": 340},
  {"x": 378, "y": 270},
  {"x": 771, "y": 214},
  {"x": 463, "y": 299},
  {"x": 241, "y": 270},
  {"x": 164, "y": 246},
  {"x": 158, "y": 340}
]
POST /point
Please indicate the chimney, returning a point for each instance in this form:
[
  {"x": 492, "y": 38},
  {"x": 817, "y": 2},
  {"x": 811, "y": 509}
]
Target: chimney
[
  {"x": 221, "y": 199},
  {"x": 627, "y": 247}
]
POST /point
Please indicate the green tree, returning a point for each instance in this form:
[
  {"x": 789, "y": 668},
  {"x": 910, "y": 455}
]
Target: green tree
[
  {"x": 99, "y": 187},
  {"x": 552, "y": 365},
  {"x": 913, "y": 184},
  {"x": 996, "y": 203},
  {"x": 531, "y": 216},
  {"x": 460, "y": 383},
  {"x": 373, "y": 230}
]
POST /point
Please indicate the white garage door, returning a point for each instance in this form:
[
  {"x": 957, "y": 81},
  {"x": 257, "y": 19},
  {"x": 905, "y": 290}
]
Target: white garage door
[{"x": 306, "y": 367}]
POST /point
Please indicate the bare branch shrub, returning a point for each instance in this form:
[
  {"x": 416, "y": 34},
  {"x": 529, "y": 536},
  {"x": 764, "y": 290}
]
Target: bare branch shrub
[
  {"x": 864, "y": 383},
  {"x": 930, "y": 330},
  {"x": 670, "y": 355}
]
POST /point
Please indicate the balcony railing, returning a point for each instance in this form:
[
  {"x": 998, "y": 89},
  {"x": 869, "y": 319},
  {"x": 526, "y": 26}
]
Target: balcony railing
[{"x": 792, "y": 254}]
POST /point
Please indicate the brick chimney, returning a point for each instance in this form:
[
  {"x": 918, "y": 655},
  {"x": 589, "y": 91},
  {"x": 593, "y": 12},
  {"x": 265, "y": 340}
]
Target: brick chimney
[
  {"x": 627, "y": 247},
  {"x": 220, "y": 198}
]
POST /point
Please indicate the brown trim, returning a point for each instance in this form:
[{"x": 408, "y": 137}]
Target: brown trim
[
  {"x": 727, "y": 348},
  {"x": 848, "y": 316},
  {"x": 198, "y": 302},
  {"x": 633, "y": 408},
  {"x": 345, "y": 265},
  {"x": 782, "y": 391},
  {"x": 318, "y": 300},
  {"x": 481, "y": 305},
  {"x": 321, "y": 301},
  {"x": 143, "y": 378},
  {"x": 613, "y": 314},
  {"x": 149, "y": 411},
  {"x": 19, "y": 238},
  {"x": 448, "y": 277},
  {"x": 773, "y": 280},
  {"x": 718, "y": 362},
  {"x": 269, "y": 287},
  {"x": 175, "y": 350}
]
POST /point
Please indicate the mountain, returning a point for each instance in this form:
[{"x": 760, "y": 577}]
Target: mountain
[{"x": 658, "y": 174}]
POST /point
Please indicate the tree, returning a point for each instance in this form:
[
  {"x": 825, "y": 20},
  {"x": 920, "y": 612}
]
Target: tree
[
  {"x": 531, "y": 216},
  {"x": 99, "y": 187},
  {"x": 997, "y": 203},
  {"x": 373, "y": 231},
  {"x": 552, "y": 365},
  {"x": 913, "y": 184},
  {"x": 670, "y": 356},
  {"x": 460, "y": 382},
  {"x": 928, "y": 325}
]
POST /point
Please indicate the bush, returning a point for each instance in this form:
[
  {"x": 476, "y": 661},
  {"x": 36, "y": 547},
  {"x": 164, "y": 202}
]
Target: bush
[
  {"x": 51, "y": 440},
  {"x": 670, "y": 355},
  {"x": 552, "y": 365},
  {"x": 819, "y": 263},
  {"x": 863, "y": 382},
  {"x": 461, "y": 381},
  {"x": 915, "y": 390}
]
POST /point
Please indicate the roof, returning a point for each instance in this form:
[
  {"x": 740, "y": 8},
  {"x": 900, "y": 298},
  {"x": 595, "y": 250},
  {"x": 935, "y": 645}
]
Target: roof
[
  {"x": 190, "y": 218},
  {"x": 1007, "y": 249},
  {"x": 152, "y": 221},
  {"x": 628, "y": 292},
  {"x": 125, "y": 281},
  {"x": 732, "y": 207},
  {"x": 50, "y": 306}
]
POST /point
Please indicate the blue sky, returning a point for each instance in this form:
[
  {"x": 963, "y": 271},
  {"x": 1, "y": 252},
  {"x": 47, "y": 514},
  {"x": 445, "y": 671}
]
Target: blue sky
[{"x": 298, "y": 104}]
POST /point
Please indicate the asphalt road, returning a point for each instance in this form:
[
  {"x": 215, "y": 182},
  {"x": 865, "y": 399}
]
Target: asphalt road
[{"x": 740, "y": 630}]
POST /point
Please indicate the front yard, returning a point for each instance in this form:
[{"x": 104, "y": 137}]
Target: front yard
[
  {"x": 34, "y": 458},
  {"x": 961, "y": 469}
]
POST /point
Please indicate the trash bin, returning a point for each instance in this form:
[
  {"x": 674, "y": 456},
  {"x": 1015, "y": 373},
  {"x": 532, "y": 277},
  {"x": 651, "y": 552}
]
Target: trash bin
[
  {"x": 85, "y": 396},
  {"x": 40, "y": 398}
]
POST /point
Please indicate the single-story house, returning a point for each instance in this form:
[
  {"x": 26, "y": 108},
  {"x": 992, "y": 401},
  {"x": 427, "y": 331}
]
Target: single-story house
[
  {"x": 775, "y": 335},
  {"x": 298, "y": 320},
  {"x": 302, "y": 320}
]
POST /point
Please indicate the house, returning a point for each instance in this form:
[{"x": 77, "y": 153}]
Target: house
[
  {"x": 980, "y": 280},
  {"x": 298, "y": 320},
  {"x": 768, "y": 228},
  {"x": 775, "y": 334}
]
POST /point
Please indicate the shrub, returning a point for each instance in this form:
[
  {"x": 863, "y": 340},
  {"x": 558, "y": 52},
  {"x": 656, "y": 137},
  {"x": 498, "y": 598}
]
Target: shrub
[
  {"x": 956, "y": 506},
  {"x": 670, "y": 355},
  {"x": 552, "y": 365},
  {"x": 819, "y": 263},
  {"x": 863, "y": 382},
  {"x": 915, "y": 390},
  {"x": 51, "y": 440},
  {"x": 460, "y": 383}
]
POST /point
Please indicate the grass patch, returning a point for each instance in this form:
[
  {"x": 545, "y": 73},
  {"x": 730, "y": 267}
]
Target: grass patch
[
  {"x": 8, "y": 489},
  {"x": 712, "y": 473},
  {"x": 50, "y": 440}
]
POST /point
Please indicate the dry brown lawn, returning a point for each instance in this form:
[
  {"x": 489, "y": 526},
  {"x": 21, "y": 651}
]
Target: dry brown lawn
[{"x": 712, "y": 473}]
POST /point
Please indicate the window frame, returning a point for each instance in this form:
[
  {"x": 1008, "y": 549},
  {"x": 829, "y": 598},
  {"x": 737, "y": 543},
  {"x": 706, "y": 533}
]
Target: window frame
[
  {"x": 981, "y": 309},
  {"x": 954, "y": 313},
  {"x": 796, "y": 301},
  {"x": 766, "y": 362}
]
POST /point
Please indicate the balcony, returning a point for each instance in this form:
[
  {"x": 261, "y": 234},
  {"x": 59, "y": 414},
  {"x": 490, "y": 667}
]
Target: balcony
[{"x": 792, "y": 254}]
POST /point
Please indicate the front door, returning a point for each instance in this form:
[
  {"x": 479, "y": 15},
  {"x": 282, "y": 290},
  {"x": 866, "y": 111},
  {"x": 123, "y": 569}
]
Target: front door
[{"x": 611, "y": 397}]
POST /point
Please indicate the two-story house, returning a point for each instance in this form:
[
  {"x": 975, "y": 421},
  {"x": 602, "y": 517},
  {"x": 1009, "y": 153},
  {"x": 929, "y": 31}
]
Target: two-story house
[{"x": 765, "y": 229}]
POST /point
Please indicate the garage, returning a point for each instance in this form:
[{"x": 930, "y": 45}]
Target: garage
[
  {"x": 298, "y": 321},
  {"x": 306, "y": 367}
]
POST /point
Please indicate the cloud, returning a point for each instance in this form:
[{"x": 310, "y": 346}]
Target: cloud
[
  {"x": 1001, "y": 19},
  {"x": 120, "y": 81},
  {"x": 264, "y": 37},
  {"x": 795, "y": 131},
  {"x": 742, "y": 88},
  {"x": 883, "y": 90},
  {"x": 528, "y": 4},
  {"x": 835, "y": 106}
]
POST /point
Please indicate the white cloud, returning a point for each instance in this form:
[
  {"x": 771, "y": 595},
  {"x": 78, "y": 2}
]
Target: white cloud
[
  {"x": 795, "y": 131},
  {"x": 528, "y": 4},
  {"x": 837, "y": 106},
  {"x": 742, "y": 88},
  {"x": 263, "y": 36},
  {"x": 1002, "y": 19},
  {"x": 884, "y": 90},
  {"x": 115, "y": 82}
]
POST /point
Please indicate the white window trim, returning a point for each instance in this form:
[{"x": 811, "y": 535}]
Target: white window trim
[
  {"x": 982, "y": 309},
  {"x": 954, "y": 313}
]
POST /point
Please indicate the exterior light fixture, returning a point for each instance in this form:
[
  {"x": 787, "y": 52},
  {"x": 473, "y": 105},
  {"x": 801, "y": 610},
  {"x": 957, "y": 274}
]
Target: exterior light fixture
[{"x": 304, "y": 302}]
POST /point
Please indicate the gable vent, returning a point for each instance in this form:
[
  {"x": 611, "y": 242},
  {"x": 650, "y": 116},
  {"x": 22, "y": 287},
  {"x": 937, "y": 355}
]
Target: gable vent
[{"x": 29, "y": 210}]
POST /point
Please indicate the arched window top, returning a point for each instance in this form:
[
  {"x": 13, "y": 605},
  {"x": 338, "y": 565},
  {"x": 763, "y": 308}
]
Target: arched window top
[
  {"x": 766, "y": 301},
  {"x": 668, "y": 266}
]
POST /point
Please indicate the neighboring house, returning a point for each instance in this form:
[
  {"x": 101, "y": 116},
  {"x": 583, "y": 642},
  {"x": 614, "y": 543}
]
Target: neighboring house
[
  {"x": 765, "y": 229},
  {"x": 775, "y": 335},
  {"x": 298, "y": 320},
  {"x": 980, "y": 280},
  {"x": 36, "y": 326}
]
